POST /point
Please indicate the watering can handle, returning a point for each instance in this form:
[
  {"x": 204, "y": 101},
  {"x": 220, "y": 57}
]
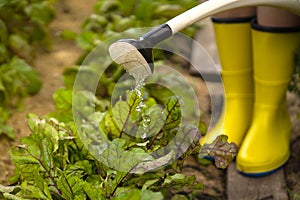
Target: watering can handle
[{"x": 212, "y": 7}]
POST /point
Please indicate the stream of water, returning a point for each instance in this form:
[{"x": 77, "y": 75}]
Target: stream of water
[{"x": 140, "y": 77}]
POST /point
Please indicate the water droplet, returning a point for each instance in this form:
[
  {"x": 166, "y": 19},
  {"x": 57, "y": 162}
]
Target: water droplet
[
  {"x": 138, "y": 108},
  {"x": 144, "y": 135},
  {"x": 140, "y": 75},
  {"x": 146, "y": 119},
  {"x": 138, "y": 92}
]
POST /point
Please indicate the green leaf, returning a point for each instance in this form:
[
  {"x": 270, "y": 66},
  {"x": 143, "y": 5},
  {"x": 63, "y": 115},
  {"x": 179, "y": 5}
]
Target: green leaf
[
  {"x": 5, "y": 129},
  {"x": 13, "y": 197},
  {"x": 65, "y": 186},
  {"x": 109, "y": 6},
  {"x": 179, "y": 197},
  {"x": 28, "y": 75},
  {"x": 93, "y": 191},
  {"x": 154, "y": 164},
  {"x": 17, "y": 79},
  {"x": 149, "y": 183},
  {"x": 152, "y": 122},
  {"x": 139, "y": 195},
  {"x": 41, "y": 12},
  {"x": 121, "y": 114},
  {"x": 202, "y": 127},
  {"x": 129, "y": 195},
  {"x": 128, "y": 7},
  {"x": 43, "y": 188},
  {"x": 179, "y": 144},
  {"x": 144, "y": 10},
  {"x": 63, "y": 105},
  {"x": 125, "y": 115},
  {"x": 20, "y": 46},
  {"x": 222, "y": 151},
  {"x": 178, "y": 182},
  {"x": 149, "y": 195},
  {"x": 47, "y": 131},
  {"x": 110, "y": 126},
  {"x": 175, "y": 85},
  {"x": 68, "y": 34},
  {"x": 71, "y": 186},
  {"x": 168, "y": 11},
  {"x": 173, "y": 107},
  {"x": 8, "y": 131},
  {"x": 8, "y": 189},
  {"x": 124, "y": 24},
  {"x": 138, "y": 122},
  {"x": 87, "y": 40},
  {"x": 30, "y": 191},
  {"x": 85, "y": 106},
  {"x": 3, "y": 32},
  {"x": 19, "y": 157},
  {"x": 4, "y": 54},
  {"x": 69, "y": 76},
  {"x": 95, "y": 22},
  {"x": 116, "y": 157},
  {"x": 81, "y": 168}
]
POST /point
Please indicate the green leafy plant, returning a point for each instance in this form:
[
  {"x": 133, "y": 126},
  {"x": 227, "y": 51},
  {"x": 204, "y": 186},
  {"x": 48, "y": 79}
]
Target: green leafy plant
[
  {"x": 58, "y": 162},
  {"x": 5, "y": 129},
  {"x": 17, "y": 80},
  {"x": 23, "y": 26},
  {"x": 115, "y": 16},
  {"x": 53, "y": 162}
]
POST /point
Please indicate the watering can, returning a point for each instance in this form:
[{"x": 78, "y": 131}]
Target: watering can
[{"x": 135, "y": 55}]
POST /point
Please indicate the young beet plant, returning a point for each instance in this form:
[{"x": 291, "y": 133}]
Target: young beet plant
[
  {"x": 57, "y": 162},
  {"x": 53, "y": 162}
]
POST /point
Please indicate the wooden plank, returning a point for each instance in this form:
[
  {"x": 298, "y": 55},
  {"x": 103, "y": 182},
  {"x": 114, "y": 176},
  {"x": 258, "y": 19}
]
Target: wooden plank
[{"x": 272, "y": 187}]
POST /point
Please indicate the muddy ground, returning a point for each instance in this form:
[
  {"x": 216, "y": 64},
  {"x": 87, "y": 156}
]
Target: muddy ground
[{"x": 50, "y": 66}]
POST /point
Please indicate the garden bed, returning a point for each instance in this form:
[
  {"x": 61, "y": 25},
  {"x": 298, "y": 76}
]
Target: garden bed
[{"x": 50, "y": 66}]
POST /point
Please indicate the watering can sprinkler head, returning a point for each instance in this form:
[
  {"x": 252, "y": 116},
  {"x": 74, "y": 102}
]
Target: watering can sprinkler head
[
  {"x": 133, "y": 55},
  {"x": 136, "y": 55}
]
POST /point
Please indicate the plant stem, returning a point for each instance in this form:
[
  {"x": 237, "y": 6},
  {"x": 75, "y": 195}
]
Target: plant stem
[
  {"x": 122, "y": 179},
  {"x": 48, "y": 173}
]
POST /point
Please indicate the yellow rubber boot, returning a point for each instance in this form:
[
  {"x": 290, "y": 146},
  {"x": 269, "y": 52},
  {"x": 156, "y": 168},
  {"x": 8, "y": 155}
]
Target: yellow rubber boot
[
  {"x": 266, "y": 144},
  {"x": 233, "y": 37}
]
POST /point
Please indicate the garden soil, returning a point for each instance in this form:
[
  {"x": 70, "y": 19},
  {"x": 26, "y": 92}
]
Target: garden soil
[{"x": 50, "y": 66}]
